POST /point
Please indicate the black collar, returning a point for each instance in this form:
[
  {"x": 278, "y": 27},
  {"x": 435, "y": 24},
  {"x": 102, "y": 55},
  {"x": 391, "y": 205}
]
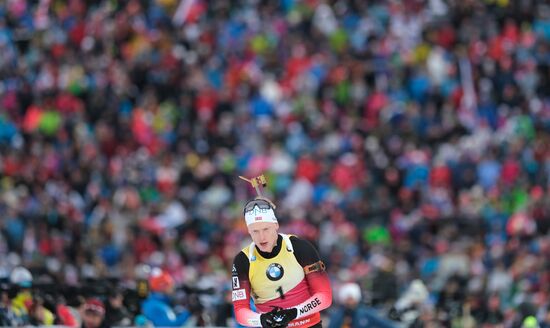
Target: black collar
[{"x": 274, "y": 252}]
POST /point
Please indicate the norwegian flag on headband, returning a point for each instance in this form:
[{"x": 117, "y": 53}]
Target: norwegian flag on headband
[{"x": 188, "y": 11}]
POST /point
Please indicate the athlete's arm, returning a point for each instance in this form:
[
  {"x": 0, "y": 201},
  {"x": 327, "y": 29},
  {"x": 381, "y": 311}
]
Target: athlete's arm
[
  {"x": 316, "y": 276},
  {"x": 241, "y": 292}
]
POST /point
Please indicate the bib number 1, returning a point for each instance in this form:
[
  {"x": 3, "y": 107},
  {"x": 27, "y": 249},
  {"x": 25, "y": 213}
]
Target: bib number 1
[{"x": 280, "y": 290}]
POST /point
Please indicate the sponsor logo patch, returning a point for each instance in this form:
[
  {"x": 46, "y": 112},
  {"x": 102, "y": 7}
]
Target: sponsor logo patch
[
  {"x": 309, "y": 306},
  {"x": 236, "y": 284},
  {"x": 257, "y": 211},
  {"x": 238, "y": 295},
  {"x": 274, "y": 271},
  {"x": 317, "y": 266},
  {"x": 299, "y": 323}
]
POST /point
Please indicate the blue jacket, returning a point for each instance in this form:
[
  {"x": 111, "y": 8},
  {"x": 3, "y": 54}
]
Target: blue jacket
[
  {"x": 157, "y": 309},
  {"x": 362, "y": 317}
]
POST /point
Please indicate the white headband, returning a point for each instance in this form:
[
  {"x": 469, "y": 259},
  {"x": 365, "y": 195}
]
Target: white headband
[{"x": 258, "y": 214}]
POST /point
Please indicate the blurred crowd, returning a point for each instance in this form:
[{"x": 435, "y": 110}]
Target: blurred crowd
[{"x": 408, "y": 140}]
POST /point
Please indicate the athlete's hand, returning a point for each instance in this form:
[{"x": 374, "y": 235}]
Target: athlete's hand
[{"x": 278, "y": 317}]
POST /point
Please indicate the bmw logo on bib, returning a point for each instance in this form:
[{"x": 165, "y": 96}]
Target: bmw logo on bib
[{"x": 274, "y": 271}]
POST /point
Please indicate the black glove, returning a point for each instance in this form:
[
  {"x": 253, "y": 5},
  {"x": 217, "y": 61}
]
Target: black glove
[{"x": 278, "y": 317}]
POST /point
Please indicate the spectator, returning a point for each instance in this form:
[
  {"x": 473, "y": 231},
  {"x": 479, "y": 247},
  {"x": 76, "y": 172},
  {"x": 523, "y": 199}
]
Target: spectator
[
  {"x": 493, "y": 314},
  {"x": 157, "y": 307},
  {"x": 351, "y": 312},
  {"x": 116, "y": 313},
  {"x": 39, "y": 314},
  {"x": 7, "y": 317},
  {"x": 21, "y": 304},
  {"x": 412, "y": 305},
  {"x": 93, "y": 314}
]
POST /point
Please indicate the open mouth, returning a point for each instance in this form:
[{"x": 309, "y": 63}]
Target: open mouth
[{"x": 264, "y": 244}]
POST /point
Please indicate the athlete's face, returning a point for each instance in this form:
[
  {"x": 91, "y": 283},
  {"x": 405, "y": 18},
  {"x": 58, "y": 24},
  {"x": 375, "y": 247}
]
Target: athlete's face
[{"x": 264, "y": 235}]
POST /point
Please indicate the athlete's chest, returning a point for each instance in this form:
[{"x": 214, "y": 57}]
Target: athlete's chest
[{"x": 272, "y": 278}]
